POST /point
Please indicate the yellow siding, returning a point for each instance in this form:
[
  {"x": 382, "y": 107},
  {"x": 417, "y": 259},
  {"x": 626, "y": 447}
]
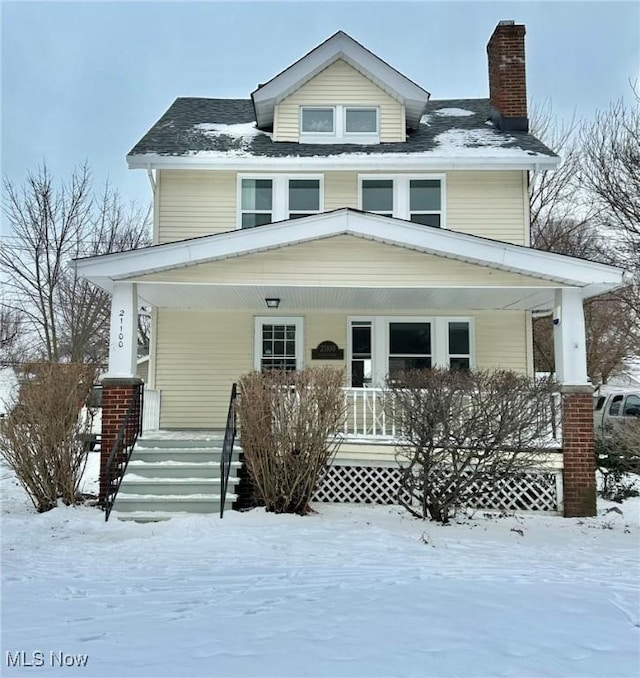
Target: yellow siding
[
  {"x": 199, "y": 354},
  {"x": 340, "y": 190},
  {"x": 325, "y": 327},
  {"x": 194, "y": 203},
  {"x": 339, "y": 83},
  {"x": 344, "y": 260},
  {"x": 501, "y": 341},
  {"x": 489, "y": 204}
]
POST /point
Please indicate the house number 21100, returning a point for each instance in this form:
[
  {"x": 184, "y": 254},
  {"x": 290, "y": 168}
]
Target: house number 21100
[{"x": 121, "y": 332}]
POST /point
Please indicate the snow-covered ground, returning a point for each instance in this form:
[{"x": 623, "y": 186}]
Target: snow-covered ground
[{"x": 350, "y": 591}]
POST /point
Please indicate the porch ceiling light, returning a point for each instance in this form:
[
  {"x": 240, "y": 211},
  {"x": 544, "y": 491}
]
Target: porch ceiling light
[{"x": 272, "y": 302}]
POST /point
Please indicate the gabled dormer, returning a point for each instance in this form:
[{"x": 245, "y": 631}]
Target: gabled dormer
[{"x": 339, "y": 93}]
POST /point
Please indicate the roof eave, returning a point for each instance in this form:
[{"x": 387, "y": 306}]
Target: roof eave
[
  {"x": 405, "y": 161},
  {"x": 593, "y": 277}
]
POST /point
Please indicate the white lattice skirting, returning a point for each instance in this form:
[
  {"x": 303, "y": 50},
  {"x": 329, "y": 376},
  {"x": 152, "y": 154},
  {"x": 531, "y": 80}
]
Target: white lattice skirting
[{"x": 535, "y": 491}]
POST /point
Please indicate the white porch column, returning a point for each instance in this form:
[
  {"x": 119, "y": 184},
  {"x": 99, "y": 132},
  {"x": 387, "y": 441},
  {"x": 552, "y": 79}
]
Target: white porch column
[
  {"x": 569, "y": 338},
  {"x": 123, "y": 336}
]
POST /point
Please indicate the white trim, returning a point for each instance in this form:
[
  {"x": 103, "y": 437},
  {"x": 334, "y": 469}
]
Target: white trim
[
  {"x": 261, "y": 320},
  {"x": 594, "y": 277},
  {"x": 401, "y": 193},
  {"x": 428, "y": 160},
  {"x": 339, "y": 46},
  {"x": 279, "y": 194}
]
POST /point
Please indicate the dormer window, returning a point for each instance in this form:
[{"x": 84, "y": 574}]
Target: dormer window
[
  {"x": 339, "y": 125},
  {"x": 317, "y": 121}
]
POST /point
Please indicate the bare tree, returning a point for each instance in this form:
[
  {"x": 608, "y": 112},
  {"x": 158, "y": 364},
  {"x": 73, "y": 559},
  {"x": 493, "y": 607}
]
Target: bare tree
[
  {"x": 611, "y": 170},
  {"x": 568, "y": 218},
  {"x": 12, "y": 332},
  {"x": 463, "y": 433},
  {"x": 50, "y": 226}
]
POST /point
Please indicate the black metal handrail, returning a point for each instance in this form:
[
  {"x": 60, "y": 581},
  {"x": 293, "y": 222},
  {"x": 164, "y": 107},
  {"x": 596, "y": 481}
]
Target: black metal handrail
[
  {"x": 122, "y": 448},
  {"x": 227, "y": 447}
]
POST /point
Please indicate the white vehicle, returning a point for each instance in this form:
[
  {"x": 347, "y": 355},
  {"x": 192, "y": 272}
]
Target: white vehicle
[{"x": 614, "y": 409}]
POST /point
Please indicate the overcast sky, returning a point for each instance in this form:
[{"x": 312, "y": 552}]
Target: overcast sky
[{"x": 84, "y": 81}]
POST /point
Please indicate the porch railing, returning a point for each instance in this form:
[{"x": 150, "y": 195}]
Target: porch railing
[
  {"x": 122, "y": 448},
  {"x": 371, "y": 413},
  {"x": 226, "y": 458}
]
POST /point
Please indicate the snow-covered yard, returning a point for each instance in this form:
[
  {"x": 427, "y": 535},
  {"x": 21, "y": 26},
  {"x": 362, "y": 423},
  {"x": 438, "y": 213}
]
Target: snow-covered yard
[{"x": 350, "y": 591}]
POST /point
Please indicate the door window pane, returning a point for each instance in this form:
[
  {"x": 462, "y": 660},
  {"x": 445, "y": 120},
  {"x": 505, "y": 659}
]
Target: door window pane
[
  {"x": 377, "y": 195},
  {"x": 361, "y": 363},
  {"x": 317, "y": 120},
  {"x": 278, "y": 347},
  {"x": 361, "y": 120},
  {"x": 304, "y": 196}
]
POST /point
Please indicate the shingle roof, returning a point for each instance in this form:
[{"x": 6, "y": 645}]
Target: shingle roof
[{"x": 195, "y": 126}]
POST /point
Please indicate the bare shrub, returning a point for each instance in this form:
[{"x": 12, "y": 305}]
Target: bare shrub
[
  {"x": 42, "y": 439},
  {"x": 289, "y": 427},
  {"x": 618, "y": 458},
  {"x": 461, "y": 433}
]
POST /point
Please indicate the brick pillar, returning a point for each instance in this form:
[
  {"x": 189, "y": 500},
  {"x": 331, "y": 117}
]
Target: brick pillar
[
  {"x": 117, "y": 396},
  {"x": 579, "y": 474}
]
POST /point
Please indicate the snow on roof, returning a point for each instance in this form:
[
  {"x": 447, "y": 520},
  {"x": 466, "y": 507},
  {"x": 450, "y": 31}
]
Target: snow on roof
[
  {"x": 470, "y": 142},
  {"x": 453, "y": 112}
]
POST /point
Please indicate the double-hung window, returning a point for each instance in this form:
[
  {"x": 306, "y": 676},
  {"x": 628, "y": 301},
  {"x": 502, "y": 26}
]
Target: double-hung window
[
  {"x": 419, "y": 199},
  {"x": 264, "y": 200},
  {"x": 339, "y": 124}
]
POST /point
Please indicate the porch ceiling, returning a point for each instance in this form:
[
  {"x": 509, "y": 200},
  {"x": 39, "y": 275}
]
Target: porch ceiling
[{"x": 252, "y": 297}]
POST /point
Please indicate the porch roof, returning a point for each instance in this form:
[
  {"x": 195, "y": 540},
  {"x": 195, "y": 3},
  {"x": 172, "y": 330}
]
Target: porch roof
[{"x": 544, "y": 271}]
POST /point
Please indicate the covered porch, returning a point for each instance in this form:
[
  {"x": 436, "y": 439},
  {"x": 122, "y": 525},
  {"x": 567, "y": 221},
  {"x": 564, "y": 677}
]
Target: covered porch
[{"x": 273, "y": 296}]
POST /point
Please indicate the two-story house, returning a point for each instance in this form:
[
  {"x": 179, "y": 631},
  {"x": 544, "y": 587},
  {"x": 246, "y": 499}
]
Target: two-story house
[{"x": 341, "y": 216}]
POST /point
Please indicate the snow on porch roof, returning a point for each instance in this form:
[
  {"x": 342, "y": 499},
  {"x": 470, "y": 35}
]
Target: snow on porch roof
[{"x": 593, "y": 277}]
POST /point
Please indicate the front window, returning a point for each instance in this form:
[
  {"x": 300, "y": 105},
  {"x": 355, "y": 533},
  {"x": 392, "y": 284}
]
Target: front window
[
  {"x": 409, "y": 346},
  {"x": 317, "y": 120},
  {"x": 339, "y": 124},
  {"x": 361, "y": 121},
  {"x": 379, "y": 346},
  {"x": 413, "y": 198},
  {"x": 459, "y": 346},
  {"x": 424, "y": 202},
  {"x": 304, "y": 197},
  {"x": 256, "y": 202},
  {"x": 377, "y": 196},
  {"x": 278, "y": 197}
]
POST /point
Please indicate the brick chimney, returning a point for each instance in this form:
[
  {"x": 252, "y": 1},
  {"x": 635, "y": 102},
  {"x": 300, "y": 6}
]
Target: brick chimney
[{"x": 507, "y": 78}]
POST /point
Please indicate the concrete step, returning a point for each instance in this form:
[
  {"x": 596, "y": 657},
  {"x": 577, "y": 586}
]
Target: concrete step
[
  {"x": 177, "y": 443},
  {"x": 178, "y": 469},
  {"x": 186, "y": 455},
  {"x": 169, "y": 504},
  {"x": 160, "y": 487}
]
